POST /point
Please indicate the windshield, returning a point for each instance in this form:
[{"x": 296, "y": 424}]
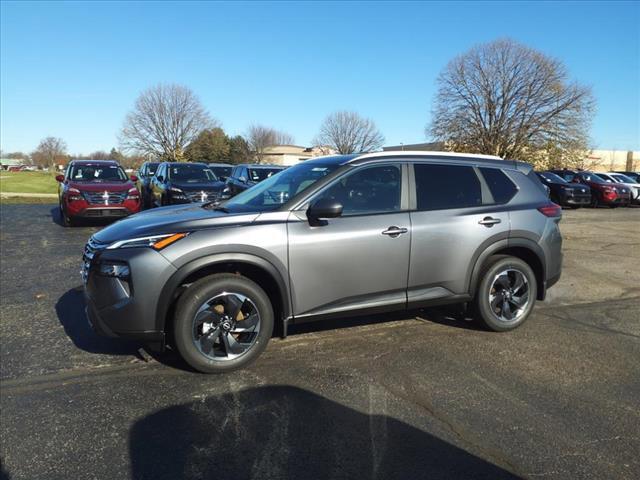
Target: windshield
[
  {"x": 98, "y": 173},
  {"x": 221, "y": 171},
  {"x": 151, "y": 169},
  {"x": 280, "y": 187},
  {"x": 260, "y": 174},
  {"x": 552, "y": 177},
  {"x": 187, "y": 173},
  {"x": 623, "y": 178},
  {"x": 592, "y": 177}
]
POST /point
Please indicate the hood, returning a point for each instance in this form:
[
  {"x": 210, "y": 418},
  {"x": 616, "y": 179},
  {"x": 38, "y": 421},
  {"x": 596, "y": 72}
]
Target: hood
[
  {"x": 171, "y": 219},
  {"x": 102, "y": 186},
  {"x": 197, "y": 187}
]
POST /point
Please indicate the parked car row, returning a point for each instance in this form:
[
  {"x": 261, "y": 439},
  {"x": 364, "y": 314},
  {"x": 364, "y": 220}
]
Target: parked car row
[
  {"x": 101, "y": 188},
  {"x": 580, "y": 188}
]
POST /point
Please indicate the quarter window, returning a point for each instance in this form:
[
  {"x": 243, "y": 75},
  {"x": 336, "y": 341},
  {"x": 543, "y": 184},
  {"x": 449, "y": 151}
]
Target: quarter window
[
  {"x": 501, "y": 187},
  {"x": 441, "y": 187},
  {"x": 368, "y": 190}
]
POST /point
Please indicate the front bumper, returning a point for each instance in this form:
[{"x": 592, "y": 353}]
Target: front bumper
[
  {"x": 126, "y": 307},
  {"x": 84, "y": 209}
]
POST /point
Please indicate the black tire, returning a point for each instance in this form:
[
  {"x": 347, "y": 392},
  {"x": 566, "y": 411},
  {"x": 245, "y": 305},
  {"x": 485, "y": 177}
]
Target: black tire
[
  {"x": 64, "y": 218},
  {"x": 594, "y": 201},
  {"x": 611, "y": 205},
  {"x": 191, "y": 301},
  {"x": 483, "y": 310}
]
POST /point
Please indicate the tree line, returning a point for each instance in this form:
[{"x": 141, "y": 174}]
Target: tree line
[{"x": 500, "y": 98}]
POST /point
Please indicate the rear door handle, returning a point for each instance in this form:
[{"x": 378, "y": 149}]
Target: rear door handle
[
  {"x": 394, "y": 231},
  {"x": 489, "y": 221}
]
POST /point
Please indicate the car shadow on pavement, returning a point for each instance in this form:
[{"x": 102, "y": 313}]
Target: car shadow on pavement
[
  {"x": 449, "y": 315},
  {"x": 288, "y": 432},
  {"x": 70, "y": 309},
  {"x": 89, "y": 222}
]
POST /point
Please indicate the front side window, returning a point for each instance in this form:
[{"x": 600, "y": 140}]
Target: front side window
[
  {"x": 98, "y": 173},
  {"x": 279, "y": 188},
  {"x": 368, "y": 190},
  {"x": 441, "y": 187},
  {"x": 502, "y": 188}
]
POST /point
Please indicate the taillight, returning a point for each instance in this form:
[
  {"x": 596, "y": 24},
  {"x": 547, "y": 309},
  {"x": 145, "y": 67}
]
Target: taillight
[{"x": 550, "y": 210}]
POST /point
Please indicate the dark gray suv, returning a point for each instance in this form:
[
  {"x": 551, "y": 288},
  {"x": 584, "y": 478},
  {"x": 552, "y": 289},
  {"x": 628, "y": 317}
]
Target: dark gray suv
[{"x": 334, "y": 236}]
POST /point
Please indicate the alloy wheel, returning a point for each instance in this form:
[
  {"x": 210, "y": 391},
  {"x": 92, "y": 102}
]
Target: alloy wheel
[
  {"x": 509, "y": 295},
  {"x": 226, "y": 326}
]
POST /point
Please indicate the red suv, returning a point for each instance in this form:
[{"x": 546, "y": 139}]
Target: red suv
[{"x": 96, "y": 189}]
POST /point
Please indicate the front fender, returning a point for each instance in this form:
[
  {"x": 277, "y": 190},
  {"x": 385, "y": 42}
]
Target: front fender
[{"x": 167, "y": 294}]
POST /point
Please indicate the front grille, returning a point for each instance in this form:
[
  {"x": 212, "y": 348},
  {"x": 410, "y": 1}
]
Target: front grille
[
  {"x": 104, "y": 197},
  {"x": 202, "y": 196},
  {"x": 106, "y": 212},
  {"x": 90, "y": 249}
]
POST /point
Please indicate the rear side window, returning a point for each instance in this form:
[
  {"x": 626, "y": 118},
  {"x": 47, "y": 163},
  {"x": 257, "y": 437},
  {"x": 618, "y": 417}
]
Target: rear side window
[
  {"x": 446, "y": 186},
  {"x": 502, "y": 188}
]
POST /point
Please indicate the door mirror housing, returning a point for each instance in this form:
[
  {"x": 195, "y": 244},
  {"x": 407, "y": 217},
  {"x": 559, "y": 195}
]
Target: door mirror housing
[
  {"x": 322, "y": 209},
  {"x": 60, "y": 178},
  {"x": 242, "y": 179},
  {"x": 160, "y": 179},
  {"x": 133, "y": 178}
]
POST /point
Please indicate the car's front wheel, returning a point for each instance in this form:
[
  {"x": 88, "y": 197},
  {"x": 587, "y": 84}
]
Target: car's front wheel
[
  {"x": 64, "y": 218},
  {"x": 222, "y": 322},
  {"x": 506, "y": 293}
]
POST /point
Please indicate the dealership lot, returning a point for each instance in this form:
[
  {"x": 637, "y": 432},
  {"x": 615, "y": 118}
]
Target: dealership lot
[{"x": 386, "y": 397}]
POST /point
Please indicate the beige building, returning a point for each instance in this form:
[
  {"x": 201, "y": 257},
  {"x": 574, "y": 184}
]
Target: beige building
[
  {"x": 292, "y": 154},
  {"x": 614, "y": 160}
]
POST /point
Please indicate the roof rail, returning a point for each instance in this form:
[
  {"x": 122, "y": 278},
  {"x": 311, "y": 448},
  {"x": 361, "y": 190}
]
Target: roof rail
[{"x": 418, "y": 153}]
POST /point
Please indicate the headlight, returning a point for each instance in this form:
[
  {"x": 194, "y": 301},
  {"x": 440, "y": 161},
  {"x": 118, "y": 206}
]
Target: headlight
[
  {"x": 133, "y": 194},
  {"x": 157, "y": 242},
  {"x": 73, "y": 194}
]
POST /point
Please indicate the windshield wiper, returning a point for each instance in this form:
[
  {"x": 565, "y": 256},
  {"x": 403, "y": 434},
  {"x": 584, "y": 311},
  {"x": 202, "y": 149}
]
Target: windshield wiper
[{"x": 215, "y": 205}]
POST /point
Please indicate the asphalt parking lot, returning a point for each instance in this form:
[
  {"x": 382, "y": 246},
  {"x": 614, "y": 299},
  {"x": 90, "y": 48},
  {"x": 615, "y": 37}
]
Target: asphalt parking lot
[{"x": 430, "y": 396}]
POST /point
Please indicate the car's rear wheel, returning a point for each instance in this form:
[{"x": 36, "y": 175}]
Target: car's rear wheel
[
  {"x": 506, "y": 293},
  {"x": 222, "y": 322}
]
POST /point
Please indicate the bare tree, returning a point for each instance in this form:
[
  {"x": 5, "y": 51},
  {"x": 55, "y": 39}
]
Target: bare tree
[
  {"x": 504, "y": 98},
  {"x": 165, "y": 119},
  {"x": 260, "y": 137},
  {"x": 348, "y": 132},
  {"x": 50, "y": 151}
]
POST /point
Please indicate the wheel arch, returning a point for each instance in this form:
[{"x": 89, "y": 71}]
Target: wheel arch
[
  {"x": 522, "y": 248},
  {"x": 261, "y": 271}
]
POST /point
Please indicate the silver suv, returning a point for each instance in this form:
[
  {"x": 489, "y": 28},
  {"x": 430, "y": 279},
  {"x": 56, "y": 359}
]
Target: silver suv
[{"x": 335, "y": 236}]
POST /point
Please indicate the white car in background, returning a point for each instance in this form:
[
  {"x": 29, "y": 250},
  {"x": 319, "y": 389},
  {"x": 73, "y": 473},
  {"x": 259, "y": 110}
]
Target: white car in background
[{"x": 634, "y": 187}]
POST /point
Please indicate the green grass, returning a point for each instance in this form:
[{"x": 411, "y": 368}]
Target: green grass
[
  {"x": 27, "y": 200},
  {"x": 28, "y": 182}
]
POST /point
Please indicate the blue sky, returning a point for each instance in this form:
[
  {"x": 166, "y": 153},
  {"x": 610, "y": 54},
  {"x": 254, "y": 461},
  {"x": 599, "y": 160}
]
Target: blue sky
[{"x": 73, "y": 70}]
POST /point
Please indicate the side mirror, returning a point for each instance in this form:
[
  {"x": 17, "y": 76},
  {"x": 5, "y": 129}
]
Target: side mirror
[
  {"x": 160, "y": 179},
  {"x": 243, "y": 179},
  {"x": 133, "y": 178},
  {"x": 323, "y": 208},
  {"x": 60, "y": 178}
]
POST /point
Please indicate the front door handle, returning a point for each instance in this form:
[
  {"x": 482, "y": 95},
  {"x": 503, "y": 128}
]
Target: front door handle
[
  {"x": 394, "y": 231},
  {"x": 489, "y": 221}
]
